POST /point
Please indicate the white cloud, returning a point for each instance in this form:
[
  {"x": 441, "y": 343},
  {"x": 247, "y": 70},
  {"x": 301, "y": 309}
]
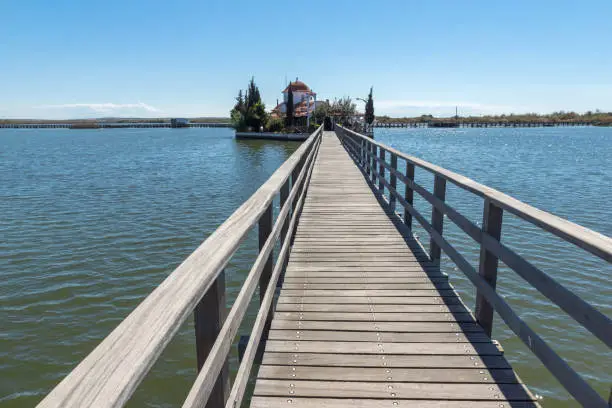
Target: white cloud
[{"x": 119, "y": 109}]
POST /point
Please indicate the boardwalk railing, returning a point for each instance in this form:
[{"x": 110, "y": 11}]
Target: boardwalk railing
[
  {"x": 372, "y": 157},
  {"x": 110, "y": 374}
]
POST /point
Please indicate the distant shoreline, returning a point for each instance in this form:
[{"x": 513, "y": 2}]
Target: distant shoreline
[{"x": 589, "y": 118}]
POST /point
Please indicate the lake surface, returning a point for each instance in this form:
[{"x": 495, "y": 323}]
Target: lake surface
[{"x": 92, "y": 220}]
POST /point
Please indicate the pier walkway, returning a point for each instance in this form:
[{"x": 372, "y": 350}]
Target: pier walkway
[
  {"x": 364, "y": 315},
  {"x": 353, "y": 310}
]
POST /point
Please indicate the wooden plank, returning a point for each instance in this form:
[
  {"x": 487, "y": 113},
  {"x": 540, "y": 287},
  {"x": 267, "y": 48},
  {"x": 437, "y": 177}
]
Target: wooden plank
[
  {"x": 367, "y": 293},
  {"x": 379, "y": 374},
  {"x": 347, "y": 248},
  {"x": 303, "y": 402},
  {"x": 367, "y": 308},
  {"x": 480, "y": 349},
  {"x": 407, "y": 327},
  {"x": 375, "y": 316},
  {"x": 365, "y": 263},
  {"x": 367, "y": 286},
  {"x": 365, "y": 258},
  {"x": 381, "y": 276},
  {"x": 392, "y": 337},
  {"x": 392, "y": 390},
  {"x": 404, "y": 269},
  {"x": 356, "y": 278},
  {"x": 374, "y": 360},
  {"x": 379, "y": 300}
]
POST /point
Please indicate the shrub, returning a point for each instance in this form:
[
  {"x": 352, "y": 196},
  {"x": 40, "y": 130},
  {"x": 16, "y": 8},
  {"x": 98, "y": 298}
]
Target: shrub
[{"x": 275, "y": 125}]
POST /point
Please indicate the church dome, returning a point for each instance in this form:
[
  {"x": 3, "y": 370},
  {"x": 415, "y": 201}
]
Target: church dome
[{"x": 297, "y": 86}]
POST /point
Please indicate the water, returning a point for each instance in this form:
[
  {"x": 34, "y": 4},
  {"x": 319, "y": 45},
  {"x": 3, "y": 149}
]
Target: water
[
  {"x": 566, "y": 171},
  {"x": 92, "y": 220}
]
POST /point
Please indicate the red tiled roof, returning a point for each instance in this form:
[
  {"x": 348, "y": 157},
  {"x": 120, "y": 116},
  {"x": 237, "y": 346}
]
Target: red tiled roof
[{"x": 297, "y": 86}]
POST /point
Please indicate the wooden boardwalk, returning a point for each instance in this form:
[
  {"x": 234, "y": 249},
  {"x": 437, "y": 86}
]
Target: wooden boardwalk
[{"x": 363, "y": 319}]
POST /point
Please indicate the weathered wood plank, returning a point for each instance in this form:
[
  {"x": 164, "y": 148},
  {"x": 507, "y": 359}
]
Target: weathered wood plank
[
  {"x": 379, "y": 374},
  {"x": 375, "y": 316},
  {"x": 392, "y": 390},
  {"x": 367, "y": 286},
  {"x": 356, "y": 278},
  {"x": 367, "y": 293},
  {"x": 406, "y": 327},
  {"x": 373, "y": 360},
  {"x": 304, "y": 402},
  {"x": 393, "y": 337},
  {"x": 371, "y": 307},
  {"x": 378, "y": 300},
  {"x": 480, "y": 349}
]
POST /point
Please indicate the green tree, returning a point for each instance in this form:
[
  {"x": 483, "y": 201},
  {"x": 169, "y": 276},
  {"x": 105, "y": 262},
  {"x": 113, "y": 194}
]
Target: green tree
[
  {"x": 344, "y": 109},
  {"x": 289, "y": 118},
  {"x": 249, "y": 111},
  {"x": 321, "y": 111},
  {"x": 253, "y": 96},
  {"x": 369, "y": 108}
]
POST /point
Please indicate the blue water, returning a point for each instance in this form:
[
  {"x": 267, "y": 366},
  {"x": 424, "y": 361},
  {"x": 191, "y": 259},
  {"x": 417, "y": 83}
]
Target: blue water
[{"x": 91, "y": 221}]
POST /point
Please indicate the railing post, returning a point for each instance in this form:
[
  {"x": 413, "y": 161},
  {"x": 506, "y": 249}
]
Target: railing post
[
  {"x": 294, "y": 176},
  {"x": 284, "y": 194},
  {"x": 363, "y": 153},
  {"x": 265, "y": 227},
  {"x": 393, "y": 181},
  {"x": 491, "y": 225},
  {"x": 359, "y": 149},
  {"x": 366, "y": 156},
  {"x": 409, "y": 194},
  {"x": 381, "y": 169},
  {"x": 209, "y": 316},
  {"x": 373, "y": 161},
  {"x": 437, "y": 219}
]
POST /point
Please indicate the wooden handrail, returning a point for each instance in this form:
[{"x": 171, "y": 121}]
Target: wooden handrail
[
  {"x": 589, "y": 240},
  {"x": 201, "y": 389},
  {"x": 492, "y": 249},
  {"x": 109, "y": 375}
]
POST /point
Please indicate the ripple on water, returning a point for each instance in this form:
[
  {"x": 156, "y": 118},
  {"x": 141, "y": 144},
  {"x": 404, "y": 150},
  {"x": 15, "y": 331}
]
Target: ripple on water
[{"x": 91, "y": 223}]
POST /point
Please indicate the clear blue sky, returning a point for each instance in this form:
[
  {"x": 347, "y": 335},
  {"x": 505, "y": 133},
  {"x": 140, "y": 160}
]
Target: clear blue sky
[{"x": 65, "y": 59}]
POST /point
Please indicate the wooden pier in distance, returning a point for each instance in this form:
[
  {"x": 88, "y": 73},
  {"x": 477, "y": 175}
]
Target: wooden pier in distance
[{"x": 354, "y": 312}]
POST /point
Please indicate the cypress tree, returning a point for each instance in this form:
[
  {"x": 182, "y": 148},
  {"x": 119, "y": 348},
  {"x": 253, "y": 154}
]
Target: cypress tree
[
  {"x": 369, "y": 109},
  {"x": 253, "y": 94},
  {"x": 290, "y": 106}
]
